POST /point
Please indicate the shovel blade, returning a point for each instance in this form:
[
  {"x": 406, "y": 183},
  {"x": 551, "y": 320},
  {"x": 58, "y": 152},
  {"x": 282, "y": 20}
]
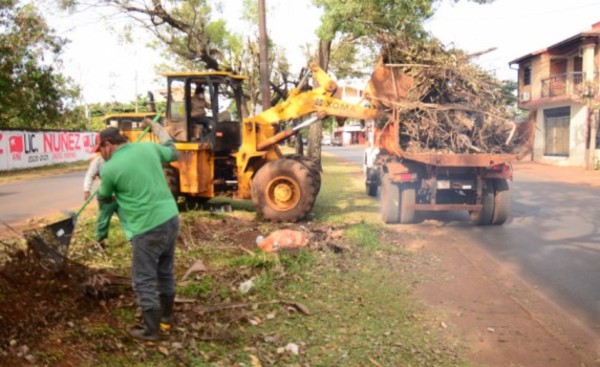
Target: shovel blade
[{"x": 51, "y": 242}]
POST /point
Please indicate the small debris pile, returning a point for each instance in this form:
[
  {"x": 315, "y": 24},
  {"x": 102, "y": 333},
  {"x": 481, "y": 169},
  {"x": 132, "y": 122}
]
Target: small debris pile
[{"x": 452, "y": 104}]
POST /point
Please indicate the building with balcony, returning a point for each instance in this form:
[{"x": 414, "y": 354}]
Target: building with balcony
[{"x": 559, "y": 86}]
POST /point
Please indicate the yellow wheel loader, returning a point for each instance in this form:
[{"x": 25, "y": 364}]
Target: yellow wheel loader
[
  {"x": 223, "y": 154},
  {"x": 130, "y": 124}
]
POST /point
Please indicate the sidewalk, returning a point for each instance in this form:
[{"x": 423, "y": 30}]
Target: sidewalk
[{"x": 547, "y": 172}]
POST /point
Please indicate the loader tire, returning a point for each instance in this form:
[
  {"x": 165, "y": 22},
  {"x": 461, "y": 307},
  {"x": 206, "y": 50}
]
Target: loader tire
[
  {"x": 390, "y": 200},
  {"x": 172, "y": 178},
  {"x": 312, "y": 166},
  {"x": 501, "y": 202},
  {"x": 284, "y": 190},
  {"x": 484, "y": 216}
]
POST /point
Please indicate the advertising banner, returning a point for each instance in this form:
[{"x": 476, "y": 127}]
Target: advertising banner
[{"x": 27, "y": 149}]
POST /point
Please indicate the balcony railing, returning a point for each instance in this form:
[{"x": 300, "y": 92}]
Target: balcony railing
[{"x": 563, "y": 84}]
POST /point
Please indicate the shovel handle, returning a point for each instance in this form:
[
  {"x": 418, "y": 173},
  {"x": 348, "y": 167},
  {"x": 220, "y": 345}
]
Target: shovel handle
[
  {"x": 137, "y": 140},
  {"x": 86, "y": 202}
]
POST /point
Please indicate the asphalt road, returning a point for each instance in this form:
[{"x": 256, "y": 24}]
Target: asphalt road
[
  {"x": 552, "y": 238},
  {"x": 40, "y": 197}
]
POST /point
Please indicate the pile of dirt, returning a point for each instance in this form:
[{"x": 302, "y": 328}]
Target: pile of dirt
[
  {"x": 36, "y": 301},
  {"x": 452, "y": 105}
]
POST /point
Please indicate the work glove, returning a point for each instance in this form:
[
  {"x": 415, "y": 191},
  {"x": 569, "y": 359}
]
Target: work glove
[{"x": 158, "y": 130}]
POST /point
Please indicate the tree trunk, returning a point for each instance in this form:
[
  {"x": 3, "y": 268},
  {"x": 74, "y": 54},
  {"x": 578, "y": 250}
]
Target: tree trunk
[
  {"x": 315, "y": 132},
  {"x": 263, "y": 57}
]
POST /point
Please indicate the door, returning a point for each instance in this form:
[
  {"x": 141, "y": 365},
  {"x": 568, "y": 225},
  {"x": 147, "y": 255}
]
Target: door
[{"x": 557, "y": 125}]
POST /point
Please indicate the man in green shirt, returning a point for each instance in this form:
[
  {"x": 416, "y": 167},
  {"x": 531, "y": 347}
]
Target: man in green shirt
[{"x": 133, "y": 175}]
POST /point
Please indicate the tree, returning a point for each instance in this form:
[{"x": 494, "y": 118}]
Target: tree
[
  {"x": 33, "y": 94},
  {"x": 193, "y": 37},
  {"x": 353, "y": 21},
  {"x": 357, "y": 19}
]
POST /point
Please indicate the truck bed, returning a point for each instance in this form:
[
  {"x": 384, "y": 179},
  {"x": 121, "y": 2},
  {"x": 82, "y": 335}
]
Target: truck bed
[{"x": 388, "y": 140}]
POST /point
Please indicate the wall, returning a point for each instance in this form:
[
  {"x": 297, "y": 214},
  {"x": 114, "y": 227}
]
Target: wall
[{"x": 27, "y": 149}]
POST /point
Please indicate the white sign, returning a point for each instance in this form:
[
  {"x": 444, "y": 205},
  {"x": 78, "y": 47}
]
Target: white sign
[{"x": 27, "y": 149}]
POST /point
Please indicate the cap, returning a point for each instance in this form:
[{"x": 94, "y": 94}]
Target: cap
[{"x": 110, "y": 133}]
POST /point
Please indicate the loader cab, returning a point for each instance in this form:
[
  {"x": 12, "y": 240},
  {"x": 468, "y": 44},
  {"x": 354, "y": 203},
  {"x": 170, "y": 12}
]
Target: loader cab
[{"x": 218, "y": 128}]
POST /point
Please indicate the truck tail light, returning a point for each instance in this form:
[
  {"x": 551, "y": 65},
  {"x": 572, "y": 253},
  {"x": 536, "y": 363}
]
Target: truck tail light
[
  {"x": 500, "y": 167},
  {"x": 408, "y": 176}
]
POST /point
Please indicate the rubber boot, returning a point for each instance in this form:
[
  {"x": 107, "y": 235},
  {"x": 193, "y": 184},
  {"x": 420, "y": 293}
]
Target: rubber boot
[
  {"x": 149, "y": 333},
  {"x": 166, "y": 307}
]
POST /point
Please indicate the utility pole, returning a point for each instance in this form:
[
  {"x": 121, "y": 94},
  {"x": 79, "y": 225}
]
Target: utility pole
[{"x": 263, "y": 56}]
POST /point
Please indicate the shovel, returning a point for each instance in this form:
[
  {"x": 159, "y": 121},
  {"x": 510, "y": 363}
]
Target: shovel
[{"x": 51, "y": 242}]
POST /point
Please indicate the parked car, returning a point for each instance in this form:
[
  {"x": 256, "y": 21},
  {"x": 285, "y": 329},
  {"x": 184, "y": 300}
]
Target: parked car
[
  {"x": 336, "y": 141},
  {"x": 326, "y": 140}
]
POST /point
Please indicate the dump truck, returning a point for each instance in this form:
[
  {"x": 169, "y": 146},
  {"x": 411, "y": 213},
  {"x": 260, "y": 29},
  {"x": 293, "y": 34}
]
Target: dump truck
[
  {"x": 225, "y": 154},
  {"x": 437, "y": 180}
]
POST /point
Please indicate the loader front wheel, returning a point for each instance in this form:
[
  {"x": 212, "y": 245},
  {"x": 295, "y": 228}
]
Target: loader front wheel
[
  {"x": 312, "y": 166},
  {"x": 172, "y": 178},
  {"x": 390, "y": 200},
  {"x": 284, "y": 190}
]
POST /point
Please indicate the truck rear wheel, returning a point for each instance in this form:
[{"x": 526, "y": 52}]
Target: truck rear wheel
[
  {"x": 501, "y": 202},
  {"x": 484, "y": 216},
  {"x": 407, "y": 202},
  {"x": 390, "y": 200},
  {"x": 284, "y": 190}
]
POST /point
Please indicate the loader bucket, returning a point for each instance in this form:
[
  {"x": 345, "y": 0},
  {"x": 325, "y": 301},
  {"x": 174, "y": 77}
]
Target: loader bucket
[
  {"x": 388, "y": 86},
  {"x": 51, "y": 242}
]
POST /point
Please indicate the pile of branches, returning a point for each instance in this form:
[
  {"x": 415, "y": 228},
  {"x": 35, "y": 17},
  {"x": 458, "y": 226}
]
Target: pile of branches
[{"x": 453, "y": 105}]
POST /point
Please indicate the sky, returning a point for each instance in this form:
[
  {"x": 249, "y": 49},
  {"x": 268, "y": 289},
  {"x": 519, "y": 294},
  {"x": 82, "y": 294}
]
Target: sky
[{"x": 109, "y": 69}]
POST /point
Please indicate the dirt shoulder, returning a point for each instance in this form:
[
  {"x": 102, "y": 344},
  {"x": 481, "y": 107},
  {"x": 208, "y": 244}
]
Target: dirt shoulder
[
  {"x": 546, "y": 172},
  {"x": 37, "y": 172}
]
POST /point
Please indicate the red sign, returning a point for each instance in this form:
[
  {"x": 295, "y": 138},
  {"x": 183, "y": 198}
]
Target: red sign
[
  {"x": 86, "y": 141},
  {"x": 61, "y": 142},
  {"x": 16, "y": 144}
]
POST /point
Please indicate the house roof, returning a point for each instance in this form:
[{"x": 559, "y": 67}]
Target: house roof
[{"x": 594, "y": 32}]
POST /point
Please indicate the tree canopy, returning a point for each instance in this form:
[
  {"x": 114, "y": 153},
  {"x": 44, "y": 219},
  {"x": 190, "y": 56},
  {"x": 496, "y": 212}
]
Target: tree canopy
[
  {"x": 350, "y": 21},
  {"x": 33, "y": 93}
]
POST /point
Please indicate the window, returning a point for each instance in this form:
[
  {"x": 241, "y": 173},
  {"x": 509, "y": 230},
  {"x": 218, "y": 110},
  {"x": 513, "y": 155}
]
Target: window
[
  {"x": 527, "y": 75},
  {"x": 557, "y": 123},
  {"x": 176, "y": 104}
]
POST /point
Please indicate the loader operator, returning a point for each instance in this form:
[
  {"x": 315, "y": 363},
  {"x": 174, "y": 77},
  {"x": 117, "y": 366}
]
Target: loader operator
[
  {"x": 133, "y": 174},
  {"x": 199, "y": 105}
]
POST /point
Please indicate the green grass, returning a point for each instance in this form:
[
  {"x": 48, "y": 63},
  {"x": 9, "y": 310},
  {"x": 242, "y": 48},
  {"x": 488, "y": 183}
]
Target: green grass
[{"x": 365, "y": 236}]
